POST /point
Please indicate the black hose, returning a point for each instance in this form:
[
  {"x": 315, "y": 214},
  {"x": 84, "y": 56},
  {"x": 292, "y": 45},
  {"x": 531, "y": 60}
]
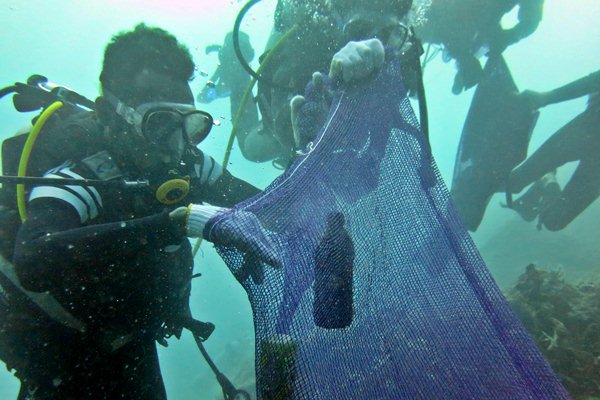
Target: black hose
[
  {"x": 229, "y": 391},
  {"x": 8, "y": 90},
  {"x": 423, "y": 112},
  {"x": 238, "y": 50},
  {"x": 236, "y": 39},
  {"x": 427, "y": 173},
  {"x": 33, "y": 180},
  {"x": 76, "y": 98}
]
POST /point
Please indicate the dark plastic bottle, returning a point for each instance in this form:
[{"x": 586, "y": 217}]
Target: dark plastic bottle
[{"x": 334, "y": 264}]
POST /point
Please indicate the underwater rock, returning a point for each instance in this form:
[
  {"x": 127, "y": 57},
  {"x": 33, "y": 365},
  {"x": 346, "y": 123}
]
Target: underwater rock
[{"x": 564, "y": 320}]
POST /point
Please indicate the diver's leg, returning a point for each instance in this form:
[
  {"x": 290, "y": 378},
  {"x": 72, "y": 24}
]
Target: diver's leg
[
  {"x": 140, "y": 370},
  {"x": 260, "y": 145},
  {"x": 581, "y": 191},
  {"x": 567, "y": 144}
]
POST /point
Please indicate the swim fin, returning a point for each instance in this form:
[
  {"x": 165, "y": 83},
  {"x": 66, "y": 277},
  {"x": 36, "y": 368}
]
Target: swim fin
[{"x": 494, "y": 140}]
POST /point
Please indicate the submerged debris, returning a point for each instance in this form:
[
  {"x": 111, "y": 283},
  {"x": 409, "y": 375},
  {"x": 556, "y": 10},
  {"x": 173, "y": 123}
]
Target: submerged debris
[{"x": 564, "y": 320}]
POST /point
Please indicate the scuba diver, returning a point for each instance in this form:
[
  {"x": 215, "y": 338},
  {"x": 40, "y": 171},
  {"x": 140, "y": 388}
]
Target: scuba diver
[
  {"x": 578, "y": 140},
  {"x": 313, "y": 31},
  {"x": 230, "y": 79},
  {"x": 467, "y": 27},
  {"x": 118, "y": 261}
]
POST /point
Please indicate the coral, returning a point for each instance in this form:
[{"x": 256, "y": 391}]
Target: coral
[{"x": 564, "y": 320}]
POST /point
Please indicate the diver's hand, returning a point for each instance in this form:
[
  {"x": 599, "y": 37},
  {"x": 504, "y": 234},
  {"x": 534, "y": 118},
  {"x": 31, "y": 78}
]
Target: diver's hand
[
  {"x": 179, "y": 215},
  {"x": 195, "y": 217},
  {"x": 296, "y": 105},
  {"x": 357, "y": 61},
  {"x": 309, "y": 115},
  {"x": 238, "y": 229},
  {"x": 243, "y": 231},
  {"x": 469, "y": 73}
]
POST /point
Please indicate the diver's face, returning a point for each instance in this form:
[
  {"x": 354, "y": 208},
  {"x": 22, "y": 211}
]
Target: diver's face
[{"x": 152, "y": 87}]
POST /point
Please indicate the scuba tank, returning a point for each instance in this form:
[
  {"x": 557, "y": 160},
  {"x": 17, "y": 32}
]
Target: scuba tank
[
  {"x": 56, "y": 103},
  {"x": 22, "y": 312}
]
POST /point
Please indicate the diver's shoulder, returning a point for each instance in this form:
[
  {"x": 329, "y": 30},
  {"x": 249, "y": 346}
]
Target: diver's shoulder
[
  {"x": 98, "y": 166},
  {"x": 202, "y": 167}
]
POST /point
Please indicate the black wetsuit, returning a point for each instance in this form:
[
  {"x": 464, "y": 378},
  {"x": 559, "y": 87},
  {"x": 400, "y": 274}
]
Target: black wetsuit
[
  {"x": 465, "y": 27},
  {"x": 578, "y": 140},
  {"x": 115, "y": 261}
]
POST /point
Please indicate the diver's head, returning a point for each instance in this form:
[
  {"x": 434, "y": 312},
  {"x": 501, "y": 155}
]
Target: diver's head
[
  {"x": 367, "y": 19},
  {"x": 147, "y": 102},
  {"x": 227, "y": 51},
  {"x": 397, "y": 7},
  {"x": 134, "y": 58}
]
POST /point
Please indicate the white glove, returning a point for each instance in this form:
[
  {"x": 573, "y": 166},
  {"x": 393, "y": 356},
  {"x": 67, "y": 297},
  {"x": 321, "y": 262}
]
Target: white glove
[
  {"x": 197, "y": 217},
  {"x": 357, "y": 60},
  {"x": 241, "y": 230}
]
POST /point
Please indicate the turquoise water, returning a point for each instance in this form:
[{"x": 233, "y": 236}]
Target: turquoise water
[{"x": 64, "y": 40}]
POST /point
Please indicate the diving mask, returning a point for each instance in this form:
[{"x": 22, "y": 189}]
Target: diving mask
[
  {"x": 361, "y": 29},
  {"x": 156, "y": 121}
]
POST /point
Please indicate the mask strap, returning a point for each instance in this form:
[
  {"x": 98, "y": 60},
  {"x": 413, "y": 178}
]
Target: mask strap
[{"x": 129, "y": 114}]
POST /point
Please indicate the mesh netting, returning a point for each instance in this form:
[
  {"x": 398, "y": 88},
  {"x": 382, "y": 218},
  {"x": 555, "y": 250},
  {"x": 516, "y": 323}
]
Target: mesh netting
[{"x": 383, "y": 294}]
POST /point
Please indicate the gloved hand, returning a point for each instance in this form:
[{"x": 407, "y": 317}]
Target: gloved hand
[
  {"x": 357, "y": 61},
  {"x": 308, "y": 114},
  {"x": 469, "y": 73},
  {"x": 238, "y": 229}
]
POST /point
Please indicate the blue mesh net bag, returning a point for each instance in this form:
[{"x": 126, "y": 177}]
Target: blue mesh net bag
[{"x": 382, "y": 294}]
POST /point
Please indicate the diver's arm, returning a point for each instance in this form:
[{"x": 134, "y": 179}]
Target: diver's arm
[
  {"x": 530, "y": 16},
  {"x": 215, "y": 185},
  {"x": 52, "y": 242},
  {"x": 259, "y": 145},
  {"x": 228, "y": 190},
  {"x": 214, "y": 78},
  {"x": 581, "y": 87},
  {"x": 9, "y": 223}
]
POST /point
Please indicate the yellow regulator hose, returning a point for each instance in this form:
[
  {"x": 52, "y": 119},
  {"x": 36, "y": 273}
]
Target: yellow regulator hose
[{"x": 24, "y": 161}]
